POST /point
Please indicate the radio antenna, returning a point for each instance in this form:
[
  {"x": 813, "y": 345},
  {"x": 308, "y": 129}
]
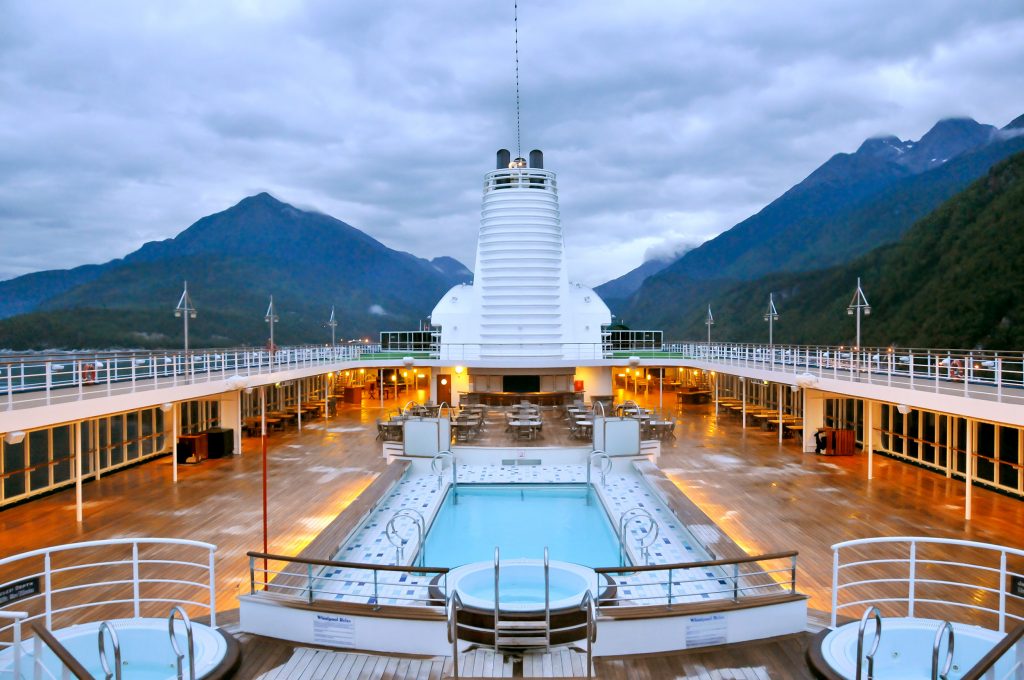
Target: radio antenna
[{"x": 519, "y": 141}]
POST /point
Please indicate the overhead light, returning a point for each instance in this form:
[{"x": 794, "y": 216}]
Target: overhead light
[
  {"x": 13, "y": 438},
  {"x": 458, "y": 369},
  {"x": 634, "y": 361},
  {"x": 166, "y": 406},
  {"x": 903, "y": 408}
]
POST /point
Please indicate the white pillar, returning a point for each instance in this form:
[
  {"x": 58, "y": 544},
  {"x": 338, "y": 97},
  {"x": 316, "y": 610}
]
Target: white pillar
[
  {"x": 298, "y": 404},
  {"x": 869, "y": 435},
  {"x": 174, "y": 443},
  {"x": 229, "y": 410},
  {"x": 814, "y": 416},
  {"x": 78, "y": 471},
  {"x": 780, "y": 412},
  {"x": 969, "y": 468},
  {"x": 743, "y": 387},
  {"x": 714, "y": 377}
]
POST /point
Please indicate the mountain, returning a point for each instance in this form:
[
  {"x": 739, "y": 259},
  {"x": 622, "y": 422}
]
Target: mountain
[
  {"x": 25, "y": 293},
  {"x": 234, "y": 260},
  {"x": 630, "y": 282},
  {"x": 953, "y": 280},
  {"x": 849, "y": 205}
]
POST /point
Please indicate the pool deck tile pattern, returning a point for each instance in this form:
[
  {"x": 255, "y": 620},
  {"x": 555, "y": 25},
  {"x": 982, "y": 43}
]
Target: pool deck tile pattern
[{"x": 423, "y": 493}]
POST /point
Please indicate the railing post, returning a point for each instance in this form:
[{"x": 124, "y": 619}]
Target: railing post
[
  {"x": 735, "y": 582},
  {"x": 999, "y": 378},
  {"x": 135, "y": 579},
  {"x": 49, "y": 380},
  {"x": 48, "y": 585},
  {"x": 10, "y": 387},
  {"x": 309, "y": 576},
  {"x": 913, "y": 576},
  {"x": 213, "y": 591},
  {"x": 376, "y": 597},
  {"x": 670, "y": 588},
  {"x": 792, "y": 575},
  {"x": 252, "y": 575},
  {"x": 1002, "y": 591},
  {"x": 835, "y": 586}
]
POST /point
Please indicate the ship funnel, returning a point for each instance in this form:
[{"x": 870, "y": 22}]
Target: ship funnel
[
  {"x": 537, "y": 159},
  {"x": 504, "y": 158}
]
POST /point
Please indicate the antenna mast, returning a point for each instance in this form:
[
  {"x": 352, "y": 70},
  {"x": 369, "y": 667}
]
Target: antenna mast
[{"x": 519, "y": 142}]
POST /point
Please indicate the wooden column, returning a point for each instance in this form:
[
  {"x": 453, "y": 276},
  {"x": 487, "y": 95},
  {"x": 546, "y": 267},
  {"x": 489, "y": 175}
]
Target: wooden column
[
  {"x": 869, "y": 436},
  {"x": 969, "y": 468}
]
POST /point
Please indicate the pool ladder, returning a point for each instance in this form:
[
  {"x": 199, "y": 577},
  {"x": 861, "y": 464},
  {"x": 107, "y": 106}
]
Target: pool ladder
[
  {"x": 605, "y": 466},
  {"x": 108, "y": 674},
  {"x": 511, "y": 634},
  {"x": 644, "y": 542},
  {"x": 396, "y": 539},
  {"x": 869, "y": 613},
  {"x": 178, "y": 655},
  {"x": 944, "y": 632},
  {"x": 437, "y": 467}
]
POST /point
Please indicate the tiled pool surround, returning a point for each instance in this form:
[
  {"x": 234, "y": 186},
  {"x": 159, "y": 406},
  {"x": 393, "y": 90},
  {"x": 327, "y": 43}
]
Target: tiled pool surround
[{"x": 622, "y": 490}]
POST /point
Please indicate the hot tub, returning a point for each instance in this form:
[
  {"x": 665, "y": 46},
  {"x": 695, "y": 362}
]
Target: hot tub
[
  {"x": 521, "y": 585},
  {"x": 145, "y": 650},
  {"x": 905, "y": 649}
]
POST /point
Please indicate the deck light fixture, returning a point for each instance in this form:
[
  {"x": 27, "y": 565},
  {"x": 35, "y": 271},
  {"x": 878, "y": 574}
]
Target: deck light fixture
[
  {"x": 14, "y": 438},
  {"x": 858, "y": 304},
  {"x": 332, "y": 323},
  {"x": 709, "y": 322},
  {"x": 185, "y": 310},
  {"x": 771, "y": 316},
  {"x": 271, "y": 317}
]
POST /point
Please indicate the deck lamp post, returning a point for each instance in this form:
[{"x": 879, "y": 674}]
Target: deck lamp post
[
  {"x": 771, "y": 316},
  {"x": 858, "y": 304},
  {"x": 709, "y": 322},
  {"x": 185, "y": 310},
  {"x": 271, "y": 318},
  {"x": 332, "y": 323}
]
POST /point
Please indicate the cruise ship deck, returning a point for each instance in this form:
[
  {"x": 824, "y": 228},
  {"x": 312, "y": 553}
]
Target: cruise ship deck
[{"x": 765, "y": 495}]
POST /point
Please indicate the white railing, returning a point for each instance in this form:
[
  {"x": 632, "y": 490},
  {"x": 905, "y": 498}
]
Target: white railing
[
  {"x": 101, "y": 584},
  {"x": 40, "y": 380},
  {"x": 982, "y": 374},
  {"x": 28, "y": 381},
  {"x": 896, "y": 572},
  {"x": 16, "y": 618}
]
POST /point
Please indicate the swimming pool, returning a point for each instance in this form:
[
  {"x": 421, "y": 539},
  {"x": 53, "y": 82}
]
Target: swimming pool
[{"x": 521, "y": 520}]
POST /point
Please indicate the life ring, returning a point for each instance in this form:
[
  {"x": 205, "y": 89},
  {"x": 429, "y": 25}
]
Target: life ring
[
  {"x": 88, "y": 374},
  {"x": 956, "y": 369}
]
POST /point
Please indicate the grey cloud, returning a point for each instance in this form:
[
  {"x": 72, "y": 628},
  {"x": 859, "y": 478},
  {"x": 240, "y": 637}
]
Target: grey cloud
[{"x": 667, "y": 122}]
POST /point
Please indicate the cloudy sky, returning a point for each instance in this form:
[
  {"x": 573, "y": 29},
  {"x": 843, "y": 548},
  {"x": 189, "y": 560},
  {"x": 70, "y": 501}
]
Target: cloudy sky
[{"x": 668, "y": 122}]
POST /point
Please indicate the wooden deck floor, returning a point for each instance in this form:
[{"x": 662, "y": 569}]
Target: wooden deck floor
[{"x": 766, "y": 496}]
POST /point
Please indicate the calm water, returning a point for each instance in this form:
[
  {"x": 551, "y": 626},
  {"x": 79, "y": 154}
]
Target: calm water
[{"x": 521, "y": 520}]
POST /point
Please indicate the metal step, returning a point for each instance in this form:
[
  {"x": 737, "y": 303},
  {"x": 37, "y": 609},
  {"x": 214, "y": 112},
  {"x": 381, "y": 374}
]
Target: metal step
[
  {"x": 522, "y": 625},
  {"x": 508, "y": 642}
]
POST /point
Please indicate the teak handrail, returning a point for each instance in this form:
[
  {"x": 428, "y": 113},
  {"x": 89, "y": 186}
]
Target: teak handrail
[
  {"x": 61, "y": 652},
  {"x": 695, "y": 565},
  {"x": 347, "y": 565}
]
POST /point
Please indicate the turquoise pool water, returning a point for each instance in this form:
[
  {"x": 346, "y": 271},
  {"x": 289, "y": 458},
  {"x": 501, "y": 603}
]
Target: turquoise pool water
[{"x": 522, "y": 519}]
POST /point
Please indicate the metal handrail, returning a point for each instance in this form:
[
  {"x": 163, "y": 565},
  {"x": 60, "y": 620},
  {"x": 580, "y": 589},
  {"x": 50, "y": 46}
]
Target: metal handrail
[
  {"x": 587, "y": 604},
  {"x": 188, "y": 641},
  {"x": 454, "y": 605},
  {"x": 391, "y": 532},
  {"x": 606, "y": 467},
  {"x": 115, "y": 643},
  {"x": 437, "y": 467},
  {"x": 945, "y": 630},
  {"x": 547, "y": 601},
  {"x": 497, "y": 571},
  {"x": 871, "y": 612},
  {"x": 1011, "y": 644}
]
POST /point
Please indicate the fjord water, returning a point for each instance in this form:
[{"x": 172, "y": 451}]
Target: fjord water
[{"x": 521, "y": 519}]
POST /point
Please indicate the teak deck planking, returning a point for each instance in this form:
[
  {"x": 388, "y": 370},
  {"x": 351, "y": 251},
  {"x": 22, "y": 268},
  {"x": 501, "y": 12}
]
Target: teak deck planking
[{"x": 765, "y": 496}]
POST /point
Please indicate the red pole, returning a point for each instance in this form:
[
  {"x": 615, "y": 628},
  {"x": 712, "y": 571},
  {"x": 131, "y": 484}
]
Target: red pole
[{"x": 263, "y": 445}]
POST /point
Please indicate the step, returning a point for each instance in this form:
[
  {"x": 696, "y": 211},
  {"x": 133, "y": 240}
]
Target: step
[
  {"x": 522, "y": 625},
  {"x": 522, "y": 642}
]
